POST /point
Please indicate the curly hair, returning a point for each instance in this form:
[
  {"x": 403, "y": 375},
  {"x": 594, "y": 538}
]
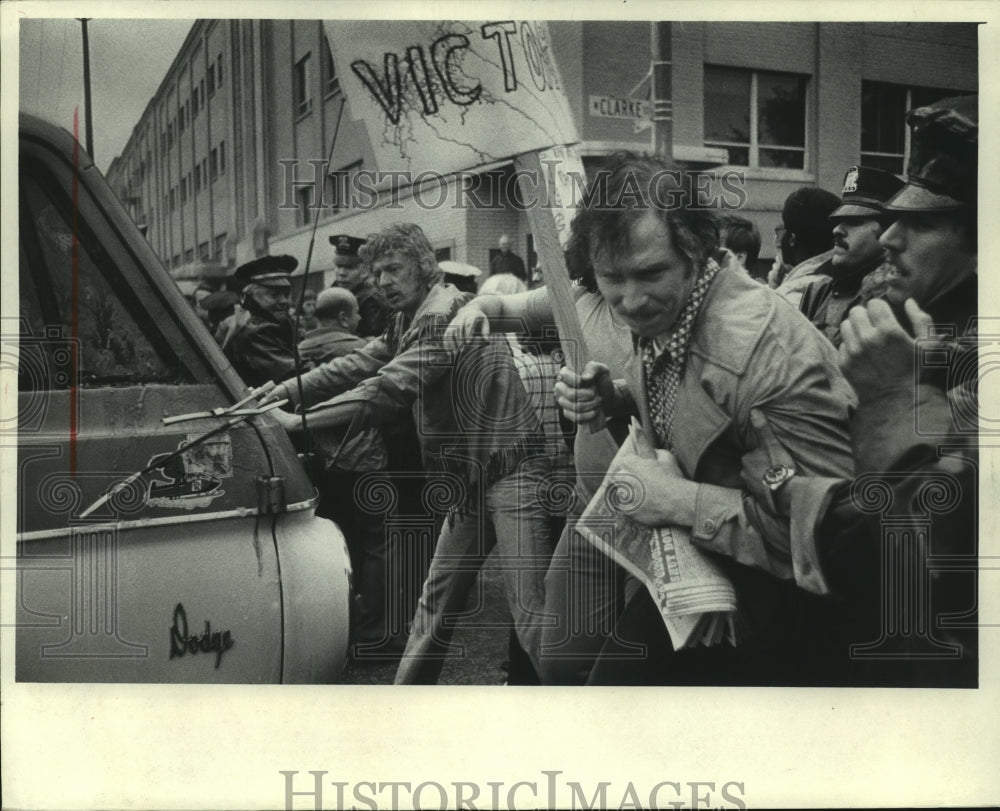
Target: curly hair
[
  {"x": 624, "y": 189},
  {"x": 410, "y": 240}
]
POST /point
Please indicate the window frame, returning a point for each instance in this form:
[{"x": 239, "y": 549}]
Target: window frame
[
  {"x": 908, "y": 103},
  {"x": 301, "y": 76},
  {"x": 329, "y": 78},
  {"x": 753, "y": 167},
  {"x": 304, "y": 197}
]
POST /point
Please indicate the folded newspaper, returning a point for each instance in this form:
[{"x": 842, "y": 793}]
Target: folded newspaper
[{"x": 696, "y": 599}]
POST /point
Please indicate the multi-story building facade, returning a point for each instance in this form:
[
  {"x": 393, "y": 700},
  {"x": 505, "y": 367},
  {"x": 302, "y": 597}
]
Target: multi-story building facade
[{"x": 249, "y": 107}]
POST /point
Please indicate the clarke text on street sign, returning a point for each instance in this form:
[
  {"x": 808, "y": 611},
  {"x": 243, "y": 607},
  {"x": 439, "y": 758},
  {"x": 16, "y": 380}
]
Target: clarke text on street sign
[{"x": 618, "y": 107}]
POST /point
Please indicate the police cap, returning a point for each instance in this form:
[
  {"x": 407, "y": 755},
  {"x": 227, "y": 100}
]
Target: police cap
[
  {"x": 270, "y": 271},
  {"x": 866, "y": 191},
  {"x": 347, "y": 248}
]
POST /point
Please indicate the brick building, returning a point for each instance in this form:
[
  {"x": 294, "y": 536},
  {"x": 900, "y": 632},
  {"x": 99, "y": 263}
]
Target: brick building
[{"x": 246, "y": 102}]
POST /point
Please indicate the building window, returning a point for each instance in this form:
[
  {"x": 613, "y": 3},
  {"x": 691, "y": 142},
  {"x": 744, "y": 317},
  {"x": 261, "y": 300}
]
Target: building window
[
  {"x": 189, "y": 256},
  {"x": 177, "y": 260},
  {"x": 170, "y": 134},
  {"x": 757, "y": 116},
  {"x": 201, "y": 91},
  {"x": 197, "y": 178},
  {"x": 211, "y": 80},
  {"x": 173, "y": 199},
  {"x": 213, "y": 164},
  {"x": 300, "y": 84},
  {"x": 184, "y": 190},
  {"x": 222, "y": 157},
  {"x": 330, "y": 81},
  {"x": 194, "y": 103},
  {"x": 303, "y": 205},
  {"x": 885, "y": 138},
  {"x": 218, "y": 72},
  {"x": 203, "y": 253},
  {"x": 220, "y": 246}
]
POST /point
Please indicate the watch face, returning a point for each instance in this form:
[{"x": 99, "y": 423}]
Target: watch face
[{"x": 777, "y": 474}]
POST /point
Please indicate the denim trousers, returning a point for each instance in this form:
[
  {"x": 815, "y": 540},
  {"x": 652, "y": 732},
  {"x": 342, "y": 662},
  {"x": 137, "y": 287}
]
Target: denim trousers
[{"x": 514, "y": 515}]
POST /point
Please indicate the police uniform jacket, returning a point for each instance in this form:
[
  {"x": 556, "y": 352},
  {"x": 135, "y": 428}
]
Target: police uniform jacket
[
  {"x": 916, "y": 453},
  {"x": 260, "y": 349},
  {"x": 827, "y": 302},
  {"x": 374, "y": 310}
]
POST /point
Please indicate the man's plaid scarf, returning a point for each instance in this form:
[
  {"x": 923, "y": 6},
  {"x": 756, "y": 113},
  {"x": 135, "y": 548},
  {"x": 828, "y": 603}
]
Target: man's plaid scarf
[{"x": 663, "y": 373}]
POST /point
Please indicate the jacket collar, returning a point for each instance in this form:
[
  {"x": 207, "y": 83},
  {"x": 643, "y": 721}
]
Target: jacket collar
[
  {"x": 850, "y": 282},
  {"x": 440, "y": 300},
  {"x": 743, "y": 305},
  {"x": 323, "y": 332}
]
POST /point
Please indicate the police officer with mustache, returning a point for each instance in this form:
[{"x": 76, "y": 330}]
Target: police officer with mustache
[{"x": 854, "y": 271}]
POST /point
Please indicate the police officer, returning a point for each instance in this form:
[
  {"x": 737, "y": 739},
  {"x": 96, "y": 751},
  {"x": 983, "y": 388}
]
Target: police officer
[
  {"x": 853, "y": 269},
  {"x": 260, "y": 343},
  {"x": 354, "y": 276},
  {"x": 914, "y": 432}
]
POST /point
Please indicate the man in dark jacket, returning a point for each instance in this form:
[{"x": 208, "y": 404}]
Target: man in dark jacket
[
  {"x": 348, "y": 459},
  {"x": 337, "y": 319},
  {"x": 354, "y": 275},
  {"x": 506, "y": 261},
  {"x": 857, "y": 255},
  {"x": 897, "y": 544},
  {"x": 260, "y": 342},
  {"x": 803, "y": 240}
]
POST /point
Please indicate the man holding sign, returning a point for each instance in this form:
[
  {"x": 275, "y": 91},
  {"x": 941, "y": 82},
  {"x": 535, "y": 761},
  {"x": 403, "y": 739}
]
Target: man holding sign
[{"x": 715, "y": 354}]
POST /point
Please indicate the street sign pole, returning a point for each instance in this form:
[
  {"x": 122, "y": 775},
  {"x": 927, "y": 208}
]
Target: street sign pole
[{"x": 661, "y": 52}]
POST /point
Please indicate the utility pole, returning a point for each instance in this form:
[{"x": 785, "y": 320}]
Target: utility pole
[
  {"x": 661, "y": 52},
  {"x": 86, "y": 89}
]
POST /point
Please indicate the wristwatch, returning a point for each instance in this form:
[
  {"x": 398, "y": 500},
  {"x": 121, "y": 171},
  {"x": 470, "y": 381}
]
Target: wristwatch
[{"x": 775, "y": 477}]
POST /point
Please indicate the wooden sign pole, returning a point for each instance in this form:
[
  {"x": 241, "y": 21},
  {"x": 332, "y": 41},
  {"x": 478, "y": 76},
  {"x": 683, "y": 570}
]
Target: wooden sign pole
[
  {"x": 553, "y": 263},
  {"x": 556, "y": 277}
]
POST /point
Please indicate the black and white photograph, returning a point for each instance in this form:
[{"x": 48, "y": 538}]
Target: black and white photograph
[{"x": 524, "y": 406}]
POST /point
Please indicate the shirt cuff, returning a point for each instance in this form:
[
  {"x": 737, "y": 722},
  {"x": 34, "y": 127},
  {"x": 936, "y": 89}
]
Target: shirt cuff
[{"x": 713, "y": 507}]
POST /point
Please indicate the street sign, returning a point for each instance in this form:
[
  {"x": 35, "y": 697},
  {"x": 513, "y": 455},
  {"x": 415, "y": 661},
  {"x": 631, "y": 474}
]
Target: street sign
[{"x": 620, "y": 107}]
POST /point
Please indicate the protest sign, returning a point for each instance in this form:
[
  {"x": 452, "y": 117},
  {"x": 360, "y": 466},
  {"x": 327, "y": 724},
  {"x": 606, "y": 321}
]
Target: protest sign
[{"x": 448, "y": 95}]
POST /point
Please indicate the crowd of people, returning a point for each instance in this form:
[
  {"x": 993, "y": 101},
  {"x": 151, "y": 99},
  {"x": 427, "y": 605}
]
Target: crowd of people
[{"x": 815, "y": 432}]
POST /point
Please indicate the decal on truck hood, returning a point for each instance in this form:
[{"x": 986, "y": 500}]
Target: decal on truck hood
[{"x": 194, "y": 478}]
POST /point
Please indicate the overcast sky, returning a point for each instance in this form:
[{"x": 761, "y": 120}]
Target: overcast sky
[{"x": 128, "y": 60}]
